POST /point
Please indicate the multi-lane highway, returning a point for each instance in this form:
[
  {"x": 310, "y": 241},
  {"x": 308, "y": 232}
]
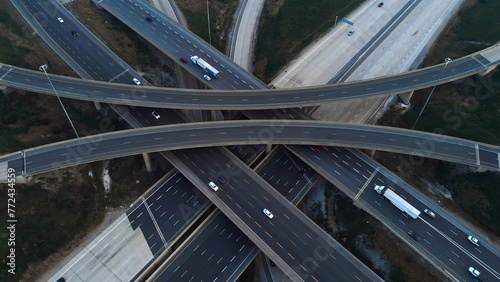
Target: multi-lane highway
[
  {"x": 85, "y": 54},
  {"x": 219, "y": 249},
  {"x": 296, "y": 244},
  {"x": 174, "y": 137},
  {"x": 443, "y": 238},
  {"x": 248, "y": 99}
]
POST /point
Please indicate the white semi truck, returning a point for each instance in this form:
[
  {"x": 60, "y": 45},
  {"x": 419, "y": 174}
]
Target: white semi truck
[
  {"x": 396, "y": 200},
  {"x": 205, "y": 66}
]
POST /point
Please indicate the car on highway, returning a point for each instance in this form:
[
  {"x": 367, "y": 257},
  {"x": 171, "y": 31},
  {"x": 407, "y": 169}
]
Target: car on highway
[
  {"x": 155, "y": 115},
  {"x": 473, "y": 240},
  {"x": 413, "y": 235},
  {"x": 60, "y": 20},
  {"x": 380, "y": 4},
  {"x": 222, "y": 179},
  {"x": 213, "y": 186},
  {"x": 474, "y": 272},
  {"x": 430, "y": 213},
  {"x": 136, "y": 81},
  {"x": 74, "y": 33},
  {"x": 268, "y": 213},
  {"x": 149, "y": 19},
  {"x": 207, "y": 77},
  {"x": 184, "y": 60},
  {"x": 350, "y": 32}
]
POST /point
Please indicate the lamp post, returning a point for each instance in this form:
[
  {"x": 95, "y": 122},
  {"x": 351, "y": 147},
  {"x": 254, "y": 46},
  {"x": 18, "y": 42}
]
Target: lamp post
[
  {"x": 43, "y": 68},
  {"x": 446, "y": 61},
  {"x": 208, "y": 18}
]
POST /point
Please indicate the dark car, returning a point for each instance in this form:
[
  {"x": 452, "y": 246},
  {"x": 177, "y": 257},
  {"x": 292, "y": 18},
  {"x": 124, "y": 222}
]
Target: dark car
[
  {"x": 380, "y": 4},
  {"x": 184, "y": 60},
  {"x": 222, "y": 179},
  {"x": 74, "y": 33},
  {"x": 61, "y": 279},
  {"x": 149, "y": 19},
  {"x": 414, "y": 235}
]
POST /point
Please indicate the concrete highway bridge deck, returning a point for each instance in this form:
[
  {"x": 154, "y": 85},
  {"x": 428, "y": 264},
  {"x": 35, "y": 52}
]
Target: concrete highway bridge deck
[
  {"x": 208, "y": 134},
  {"x": 160, "y": 97}
]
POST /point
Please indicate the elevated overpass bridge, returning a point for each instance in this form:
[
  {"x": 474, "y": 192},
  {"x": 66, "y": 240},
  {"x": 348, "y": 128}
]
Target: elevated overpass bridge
[
  {"x": 248, "y": 99},
  {"x": 209, "y": 134}
]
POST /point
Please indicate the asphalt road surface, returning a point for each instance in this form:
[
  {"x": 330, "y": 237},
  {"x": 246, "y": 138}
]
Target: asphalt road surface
[{"x": 243, "y": 99}]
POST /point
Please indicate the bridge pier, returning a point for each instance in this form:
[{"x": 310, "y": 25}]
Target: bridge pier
[
  {"x": 405, "y": 97},
  {"x": 147, "y": 161},
  {"x": 372, "y": 153},
  {"x": 97, "y": 105},
  {"x": 213, "y": 115},
  {"x": 269, "y": 147},
  {"x": 485, "y": 72}
]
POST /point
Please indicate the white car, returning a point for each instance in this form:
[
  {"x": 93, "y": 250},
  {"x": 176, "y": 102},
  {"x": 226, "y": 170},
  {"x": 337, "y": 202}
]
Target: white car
[
  {"x": 473, "y": 240},
  {"x": 474, "y": 272},
  {"x": 155, "y": 115},
  {"x": 60, "y": 20},
  {"x": 207, "y": 77},
  {"x": 136, "y": 81},
  {"x": 213, "y": 186},
  {"x": 430, "y": 213},
  {"x": 268, "y": 213},
  {"x": 351, "y": 32}
]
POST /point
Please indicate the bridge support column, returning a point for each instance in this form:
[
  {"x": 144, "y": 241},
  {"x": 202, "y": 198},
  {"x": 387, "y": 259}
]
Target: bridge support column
[
  {"x": 405, "y": 97},
  {"x": 147, "y": 161},
  {"x": 213, "y": 115},
  {"x": 372, "y": 153},
  {"x": 269, "y": 147},
  {"x": 483, "y": 73},
  {"x": 97, "y": 105}
]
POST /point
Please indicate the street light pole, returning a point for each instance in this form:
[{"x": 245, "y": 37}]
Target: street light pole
[
  {"x": 446, "y": 61},
  {"x": 44, "y": 68},
  {"x": 208, "y": 18}
]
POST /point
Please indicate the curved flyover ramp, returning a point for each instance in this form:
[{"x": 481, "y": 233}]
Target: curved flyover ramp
[
  {"x": 207, "y": 134},
  {"x": 160, "y": 97}
]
